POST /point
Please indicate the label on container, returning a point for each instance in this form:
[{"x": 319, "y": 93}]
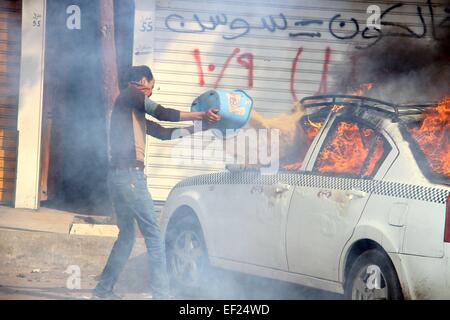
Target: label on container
[{"x": 234, "y": 105}]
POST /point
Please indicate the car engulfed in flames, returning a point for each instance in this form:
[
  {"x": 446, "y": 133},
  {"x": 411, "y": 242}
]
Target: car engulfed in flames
[
  {"x": 432, "y": 134},
  {"x": 428, "y": 131},
  {"x": 368, "y": 190}
]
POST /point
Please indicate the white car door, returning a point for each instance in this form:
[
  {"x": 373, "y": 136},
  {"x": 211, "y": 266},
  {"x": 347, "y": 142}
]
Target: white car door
[
  {"x": 329, "y": 198},
  {"x": 247, "y": 222}
]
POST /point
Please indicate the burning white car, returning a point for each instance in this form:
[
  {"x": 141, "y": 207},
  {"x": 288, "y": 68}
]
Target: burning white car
[{"x": 367, "y": 214}]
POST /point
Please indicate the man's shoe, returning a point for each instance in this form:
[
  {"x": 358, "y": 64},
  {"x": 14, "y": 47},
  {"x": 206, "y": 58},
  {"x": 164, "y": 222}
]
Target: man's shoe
[{"x": 106, "y": 296}]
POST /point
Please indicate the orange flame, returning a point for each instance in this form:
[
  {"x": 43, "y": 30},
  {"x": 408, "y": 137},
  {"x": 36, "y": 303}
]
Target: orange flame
[
  {"x": 433, "y": 137},
  {"x": 348, "y": 150},
  {"x": 312, "y": 129},
  {"x": 362, "y": 89},
  {"x": 317, "y": 125},
  {"x": 336, "y": 108}
]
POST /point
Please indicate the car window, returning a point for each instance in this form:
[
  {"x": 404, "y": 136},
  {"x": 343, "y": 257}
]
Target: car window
[
  {"x": 351, "y": 149},
  {"x": 309, "y": 127},
  {"x": 429, "y": 130}
]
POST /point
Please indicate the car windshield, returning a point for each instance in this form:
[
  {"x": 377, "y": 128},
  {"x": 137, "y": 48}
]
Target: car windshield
[{"x": 429, "y": 135}]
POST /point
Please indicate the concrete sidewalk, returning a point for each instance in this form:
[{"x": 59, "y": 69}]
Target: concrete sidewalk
[
  {"x": 42, "y": 220},
  {"x": 62, "y": 222},
  {"x": 55, "y": 221},
  {"x": 37, "y": 248}
]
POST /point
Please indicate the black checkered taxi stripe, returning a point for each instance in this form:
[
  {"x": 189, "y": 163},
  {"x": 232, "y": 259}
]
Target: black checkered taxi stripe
[{"x": 392, "y": 189}]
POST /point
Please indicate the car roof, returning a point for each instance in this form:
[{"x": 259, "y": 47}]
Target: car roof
[
  {"x": 390, "y": 110},
  {"x": 377, "y": 112}
]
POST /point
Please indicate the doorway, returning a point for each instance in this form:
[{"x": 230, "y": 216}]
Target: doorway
[
  {"x": 74, "y": 159},
  {"x": 74, "y": 163}
]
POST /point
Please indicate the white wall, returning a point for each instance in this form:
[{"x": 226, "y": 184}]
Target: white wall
[{"x": 30, "y": 104}]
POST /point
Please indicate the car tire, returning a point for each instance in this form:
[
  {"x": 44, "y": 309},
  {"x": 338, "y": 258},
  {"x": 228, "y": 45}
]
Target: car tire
[
  {"x": 187, "y": 257},
  {"x": 372, "y": 277}
]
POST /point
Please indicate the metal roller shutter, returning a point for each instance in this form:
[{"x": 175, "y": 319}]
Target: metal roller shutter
[
  {"x": 189, "y": 57},
  {"x": 10, "y": 35}
]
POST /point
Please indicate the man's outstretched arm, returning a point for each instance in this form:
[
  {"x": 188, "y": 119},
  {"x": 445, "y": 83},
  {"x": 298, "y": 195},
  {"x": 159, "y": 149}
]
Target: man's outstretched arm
[
  {"x": 173, "y": 115},
  {"x": 156, "y": 130},
  {"x": 211, "y": 116}
]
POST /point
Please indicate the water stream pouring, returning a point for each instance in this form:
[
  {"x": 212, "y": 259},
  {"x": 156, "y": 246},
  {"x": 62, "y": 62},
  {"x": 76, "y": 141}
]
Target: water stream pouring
[{"x": 234, "y": 109}]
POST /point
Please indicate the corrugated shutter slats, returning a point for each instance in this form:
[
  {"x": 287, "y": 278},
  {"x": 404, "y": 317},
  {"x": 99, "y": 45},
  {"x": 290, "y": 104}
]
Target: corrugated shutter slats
[
  {"x": 10, "y": 35},
  {"x": 177, "y": 76}
]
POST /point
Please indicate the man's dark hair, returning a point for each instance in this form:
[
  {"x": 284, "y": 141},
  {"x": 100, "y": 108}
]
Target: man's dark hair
[{"x": 139, "y": 72}]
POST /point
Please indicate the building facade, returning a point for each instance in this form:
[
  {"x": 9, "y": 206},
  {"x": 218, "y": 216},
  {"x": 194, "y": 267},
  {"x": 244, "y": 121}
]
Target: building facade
[{"x": 53, "y": 121}]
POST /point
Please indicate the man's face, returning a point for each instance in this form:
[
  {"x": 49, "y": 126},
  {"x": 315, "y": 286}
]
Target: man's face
[{"x": 147, "y": 86}]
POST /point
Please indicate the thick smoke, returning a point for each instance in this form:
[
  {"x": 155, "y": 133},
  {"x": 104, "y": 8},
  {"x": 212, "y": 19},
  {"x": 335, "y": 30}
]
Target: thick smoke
[
  {"x": 402, "y": 70},
  {"x": 80, "y": 87}
]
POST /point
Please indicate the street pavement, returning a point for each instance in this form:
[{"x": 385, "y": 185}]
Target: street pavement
[{"x": 41, "y": 259}]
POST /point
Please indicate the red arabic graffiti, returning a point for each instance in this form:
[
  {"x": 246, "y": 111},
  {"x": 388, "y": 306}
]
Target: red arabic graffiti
[
  {"x": 246, "y": 60},
  {"x": 323, "y": 86},
  {"x": 293, "y": 71},
  {"x": 198, "y": 60},
  {"x": 225, "y": 66}
]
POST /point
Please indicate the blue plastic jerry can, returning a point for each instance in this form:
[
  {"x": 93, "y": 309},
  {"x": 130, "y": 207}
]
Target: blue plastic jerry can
[{"x": 234, "y": 108}]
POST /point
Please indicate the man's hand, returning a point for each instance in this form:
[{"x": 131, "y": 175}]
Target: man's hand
[{"x": 211, "y": 116}]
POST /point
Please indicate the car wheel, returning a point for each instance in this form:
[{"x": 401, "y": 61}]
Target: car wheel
[
  {"x": 373, "y": 277},
  {"x": 187, "y": 257}
]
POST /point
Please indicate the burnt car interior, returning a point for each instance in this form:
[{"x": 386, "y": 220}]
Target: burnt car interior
[
  {"x": 425, "y": 131},
  {"x": 352, "y": 149}
]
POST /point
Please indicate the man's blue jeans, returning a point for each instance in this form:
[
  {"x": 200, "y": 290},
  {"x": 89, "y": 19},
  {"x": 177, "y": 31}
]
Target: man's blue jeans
[{"x": 132, "y": 202}]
